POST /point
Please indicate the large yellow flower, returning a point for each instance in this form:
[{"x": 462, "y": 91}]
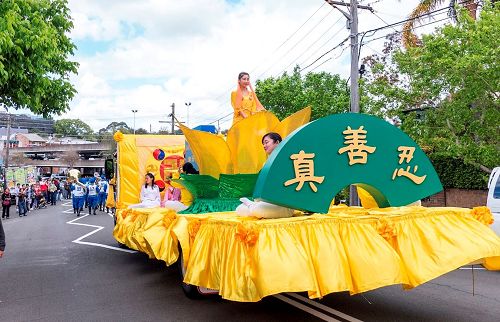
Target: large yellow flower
[{"x": 242, "y": 151}]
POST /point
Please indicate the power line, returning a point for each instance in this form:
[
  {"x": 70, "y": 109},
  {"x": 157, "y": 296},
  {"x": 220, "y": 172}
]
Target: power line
[
  {"x": 329, "y": 51},
  {"x": 310, "y": 46},
  {"x": 295, "y": 45}
]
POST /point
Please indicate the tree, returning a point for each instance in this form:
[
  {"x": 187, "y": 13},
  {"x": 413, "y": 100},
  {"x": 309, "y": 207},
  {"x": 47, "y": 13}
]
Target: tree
[
  {"x": 73, "y": 127},
  {"x": 446, "y": 91},
  {"x": 70, "y": 158},
  {"x": 141, "y": 131},
  {"x": 325, "y": 93},
  {"x": 425, "y": 7},
  {"x": 34, "y": 56},
  {"x": 116, "y": 126}
]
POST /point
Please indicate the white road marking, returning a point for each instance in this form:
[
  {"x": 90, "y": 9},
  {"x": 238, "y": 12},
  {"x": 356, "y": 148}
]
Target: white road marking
[
  {"x": 324, "y": 307},
  {"x": 305, "y": 308},
  {"x": 482, "y": 268},
  {"x": 97, "y": 228}
]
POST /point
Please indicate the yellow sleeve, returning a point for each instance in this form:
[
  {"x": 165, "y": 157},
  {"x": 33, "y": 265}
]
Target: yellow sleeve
[{"x": 233, "y": 102}]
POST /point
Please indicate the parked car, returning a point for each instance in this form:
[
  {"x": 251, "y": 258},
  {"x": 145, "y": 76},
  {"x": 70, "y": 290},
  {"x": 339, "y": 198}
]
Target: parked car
[{"x": 493, "y": 201}]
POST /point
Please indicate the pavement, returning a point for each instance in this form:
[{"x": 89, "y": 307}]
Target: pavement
[{"x": 59, "y": 267}]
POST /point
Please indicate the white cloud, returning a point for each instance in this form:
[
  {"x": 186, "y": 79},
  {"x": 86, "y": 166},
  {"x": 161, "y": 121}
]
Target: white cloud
[{"x": 159, "y": 52}]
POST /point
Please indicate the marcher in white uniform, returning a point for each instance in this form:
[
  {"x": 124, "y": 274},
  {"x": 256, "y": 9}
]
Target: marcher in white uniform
[{"x": 150, "y": 194}]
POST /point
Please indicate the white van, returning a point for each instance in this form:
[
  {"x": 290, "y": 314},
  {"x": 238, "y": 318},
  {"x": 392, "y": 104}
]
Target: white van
[{"x": 493, "y": 201}]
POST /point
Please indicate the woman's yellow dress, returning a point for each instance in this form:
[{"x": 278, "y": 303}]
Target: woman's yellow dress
[{"x": 248, "y": 106}]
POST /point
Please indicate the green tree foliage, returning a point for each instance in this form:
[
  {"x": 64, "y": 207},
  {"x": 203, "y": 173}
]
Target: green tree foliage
[
  {"x": 287, "y": 94},
  {"x": 116, "y": 126},
  {"x": 73, "y": 127},
  {"x": 34, "y": 52},
  {"x": 446, "y": 91}
]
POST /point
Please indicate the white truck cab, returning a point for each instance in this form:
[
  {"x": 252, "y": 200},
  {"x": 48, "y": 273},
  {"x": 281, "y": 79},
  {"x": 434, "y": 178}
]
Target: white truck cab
[{"x": 493, "y": 201}]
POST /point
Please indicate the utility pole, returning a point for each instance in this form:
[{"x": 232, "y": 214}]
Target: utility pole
[
  {"x": 6, "y": 150},
  {"x": 172, "y": 115},
  {"x": 352, "y": 25}
]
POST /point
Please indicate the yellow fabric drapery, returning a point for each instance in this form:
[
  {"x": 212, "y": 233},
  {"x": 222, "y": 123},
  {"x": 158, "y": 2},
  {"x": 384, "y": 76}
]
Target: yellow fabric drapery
[{"x": 349, "y": 249}]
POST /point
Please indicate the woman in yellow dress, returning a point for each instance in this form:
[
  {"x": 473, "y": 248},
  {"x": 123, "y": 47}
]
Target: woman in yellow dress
[{"x": 244, "y": 100}]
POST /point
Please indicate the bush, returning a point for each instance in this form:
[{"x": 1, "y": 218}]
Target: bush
[{"x": 454, "y": 173}]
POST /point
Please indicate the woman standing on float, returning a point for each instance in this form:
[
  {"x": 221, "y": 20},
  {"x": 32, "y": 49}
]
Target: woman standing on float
[{"x": 244, "y": 100}]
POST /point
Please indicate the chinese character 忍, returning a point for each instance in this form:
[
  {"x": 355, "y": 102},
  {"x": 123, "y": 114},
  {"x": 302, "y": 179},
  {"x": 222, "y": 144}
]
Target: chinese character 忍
[{"x": 407, "y": 155}]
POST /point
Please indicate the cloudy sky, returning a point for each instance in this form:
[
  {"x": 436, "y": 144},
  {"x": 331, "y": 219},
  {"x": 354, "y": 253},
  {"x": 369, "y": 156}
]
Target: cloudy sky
[{"x": 147, "y": 54}]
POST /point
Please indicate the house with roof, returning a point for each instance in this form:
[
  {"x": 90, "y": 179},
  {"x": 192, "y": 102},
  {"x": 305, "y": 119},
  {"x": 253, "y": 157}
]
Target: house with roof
[{"x": 30, "y": 140}]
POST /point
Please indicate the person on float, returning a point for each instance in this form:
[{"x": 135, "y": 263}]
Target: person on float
[
  {"x": 270, "y": 141},
  {"x": 92, "y": 195},
  {"x": 79, "y": 191},
  {"x": 172, "y": 198},
  {"x": 244, "y": 100},
  {"x": 150, "y": 194},
  {"x": 259, "y": 208},
  {"x": 188, "y": 168}
]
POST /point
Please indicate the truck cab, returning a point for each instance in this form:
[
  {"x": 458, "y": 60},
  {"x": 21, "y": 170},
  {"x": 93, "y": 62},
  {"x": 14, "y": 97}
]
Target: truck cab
[{"x": 493, "y": 201}]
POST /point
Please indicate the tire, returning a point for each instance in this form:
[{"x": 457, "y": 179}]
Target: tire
[{"x": 189, "y": 290}]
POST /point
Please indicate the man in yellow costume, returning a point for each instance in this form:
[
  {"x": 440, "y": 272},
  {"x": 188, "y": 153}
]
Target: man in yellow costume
[{"x": 244, "y": 100}]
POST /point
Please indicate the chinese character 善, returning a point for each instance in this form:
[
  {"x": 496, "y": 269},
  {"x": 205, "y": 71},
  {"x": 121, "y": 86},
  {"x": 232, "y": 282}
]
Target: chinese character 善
[{"x": 356, "y": 148}]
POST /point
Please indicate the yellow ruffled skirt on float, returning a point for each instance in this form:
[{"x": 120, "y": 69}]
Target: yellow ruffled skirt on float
[{"x": 349, "y": 249}]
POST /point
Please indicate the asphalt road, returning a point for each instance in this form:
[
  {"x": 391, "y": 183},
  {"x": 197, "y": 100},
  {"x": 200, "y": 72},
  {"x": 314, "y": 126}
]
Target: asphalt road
[{"x": 53, "y": 270}]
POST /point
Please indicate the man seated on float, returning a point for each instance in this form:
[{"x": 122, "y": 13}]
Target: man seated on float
[
  {"x": 150, "y": 194},
  {"x": 259, "y": 208},
  {"x": 172, "y": 198}
]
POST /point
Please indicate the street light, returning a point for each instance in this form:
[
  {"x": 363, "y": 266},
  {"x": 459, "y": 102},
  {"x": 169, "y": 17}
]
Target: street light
[
  {"x": 188, "y": 104},
  {"x": 134, "y": 111}
]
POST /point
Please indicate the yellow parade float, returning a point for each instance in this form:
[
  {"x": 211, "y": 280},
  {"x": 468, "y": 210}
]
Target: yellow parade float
[{"x": 318, "y": 247}]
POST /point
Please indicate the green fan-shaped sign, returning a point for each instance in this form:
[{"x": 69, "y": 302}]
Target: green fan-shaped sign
[{"x": 319, "y": 159}]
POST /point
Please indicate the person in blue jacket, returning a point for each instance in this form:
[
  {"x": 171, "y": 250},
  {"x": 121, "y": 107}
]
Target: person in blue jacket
[
  {"x": 78, "y": 191},
  {"x": 92, "y": 196},
  {"x": 103, "y": 193}
]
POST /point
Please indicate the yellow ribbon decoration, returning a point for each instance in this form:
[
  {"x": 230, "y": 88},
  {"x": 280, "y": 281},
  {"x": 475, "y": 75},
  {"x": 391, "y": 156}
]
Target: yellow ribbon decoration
[
  {"x": 118, "y": 136},
  {"x": 386, "y": 228},
  {"x": 483, "y": 215}
]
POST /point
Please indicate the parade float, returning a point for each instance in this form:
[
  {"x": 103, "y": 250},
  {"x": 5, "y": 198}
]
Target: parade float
[{"x": 322, "y": 248}]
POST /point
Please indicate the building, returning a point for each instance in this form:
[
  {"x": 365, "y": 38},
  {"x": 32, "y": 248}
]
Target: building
[
  {"x": 13, "y": 142},
  {"x": 34, "y": 124},
  {"x": 59, "y": 158},
  {"x": 29, "y": 140}
]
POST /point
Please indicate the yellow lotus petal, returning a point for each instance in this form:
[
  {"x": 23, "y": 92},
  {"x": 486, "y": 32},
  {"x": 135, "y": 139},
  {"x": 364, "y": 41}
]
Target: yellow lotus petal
[
  {"x": 293, "y": 122},
  {"x": 210, "y": 152},
  {"x": 244, "y": 140}
]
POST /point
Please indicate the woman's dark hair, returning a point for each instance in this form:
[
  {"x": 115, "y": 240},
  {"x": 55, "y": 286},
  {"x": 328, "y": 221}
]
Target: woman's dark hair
[
  {"x": 188, "y": 168},
  {"x": 273, "y": 136},
  {"x": 152, "y": 176},
  {"x": 240, "y": 75}
]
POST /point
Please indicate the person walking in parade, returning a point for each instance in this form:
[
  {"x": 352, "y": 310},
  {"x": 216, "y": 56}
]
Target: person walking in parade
[
  {"x": 103, "y": 194},
  {"x": 92, "y": 196},
  {"x": 79, "y": 191}
]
